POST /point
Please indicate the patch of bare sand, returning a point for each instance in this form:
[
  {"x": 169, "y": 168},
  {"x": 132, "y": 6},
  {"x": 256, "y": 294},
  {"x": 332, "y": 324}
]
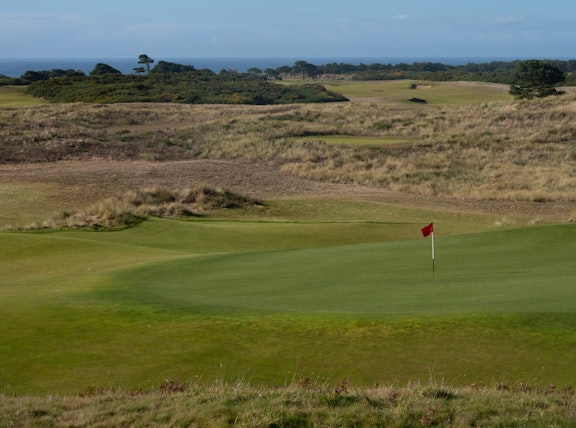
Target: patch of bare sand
[{"x": 79, "y": 183}]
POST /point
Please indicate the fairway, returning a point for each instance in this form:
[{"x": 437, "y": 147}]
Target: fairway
[
  {"x": 436, "y": 93},
  {"x": 15, "y": 96},
  {"x": 250, "y": 300}
]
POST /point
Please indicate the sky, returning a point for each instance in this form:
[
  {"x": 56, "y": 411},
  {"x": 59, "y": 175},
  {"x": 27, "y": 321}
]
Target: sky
[{"x": 288, "y": 28}]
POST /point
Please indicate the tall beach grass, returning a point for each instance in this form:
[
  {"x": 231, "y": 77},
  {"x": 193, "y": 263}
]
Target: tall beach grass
[{"x": 504, "y": 150}]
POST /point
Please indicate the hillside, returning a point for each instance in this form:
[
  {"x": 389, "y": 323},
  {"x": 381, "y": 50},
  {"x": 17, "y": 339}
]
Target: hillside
[{"x": 509, "y": 155}]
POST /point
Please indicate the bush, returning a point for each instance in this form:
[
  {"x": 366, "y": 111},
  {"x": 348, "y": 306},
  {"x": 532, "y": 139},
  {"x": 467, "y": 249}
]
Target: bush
[
  {"x": 134, "y": 206},
  {"x": 536, "y": 78},
  {"x": 192, "y": 87},
  {"x": 102, "y": 69}
]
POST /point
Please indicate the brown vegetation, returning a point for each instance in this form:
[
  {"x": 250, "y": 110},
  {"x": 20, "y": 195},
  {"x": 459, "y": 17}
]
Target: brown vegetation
[
  {"x": 496, "y": 157},
  {"x": 299, "y": 405},
  {"x": 504, "y": 151},
  {"x": 135, "y": 205}
]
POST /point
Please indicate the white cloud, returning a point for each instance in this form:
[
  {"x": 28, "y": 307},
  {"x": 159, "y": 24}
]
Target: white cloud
[{"x": 401, "y": 17}]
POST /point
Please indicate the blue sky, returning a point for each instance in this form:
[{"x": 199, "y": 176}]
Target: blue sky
[{"x": 289, "y": 28}]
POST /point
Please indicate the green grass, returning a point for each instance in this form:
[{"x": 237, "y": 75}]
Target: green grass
[
  {"x": 14, "y": 96},
  {"x": 273, "y": 301},
  {"x": 329, "y": 289},
  {"x": 476, "y": 274},
  {"x": 436, "y": 93},
  {"x": 241, "y": 306}
]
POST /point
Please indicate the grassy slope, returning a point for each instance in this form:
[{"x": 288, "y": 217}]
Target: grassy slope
[{"x": 354, "y": 299}]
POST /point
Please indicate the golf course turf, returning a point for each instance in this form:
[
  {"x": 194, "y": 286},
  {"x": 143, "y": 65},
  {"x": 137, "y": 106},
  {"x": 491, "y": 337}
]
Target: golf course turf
[
  {"x": 274, "y": 301},
  {"x": 329, "y": 280}
]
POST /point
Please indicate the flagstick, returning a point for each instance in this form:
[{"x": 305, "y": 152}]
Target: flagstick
[
  {"x": 433, "y": 269},
  {"x": 427, "y": 231}
]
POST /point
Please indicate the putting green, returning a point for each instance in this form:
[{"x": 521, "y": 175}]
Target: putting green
[
  {"x": 497, "y": 272},
  {"x": 272, "y": 302}
]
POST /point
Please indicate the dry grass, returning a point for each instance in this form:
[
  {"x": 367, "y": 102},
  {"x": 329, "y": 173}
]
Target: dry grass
[
  {"x": 135, "y": 205},
  {"x": 505, "y": 150},
  {"x": 303, "y": 404}
]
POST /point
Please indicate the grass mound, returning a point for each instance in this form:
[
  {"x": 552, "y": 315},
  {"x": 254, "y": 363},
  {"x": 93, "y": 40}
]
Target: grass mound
[{"x": 135, "y": 206}]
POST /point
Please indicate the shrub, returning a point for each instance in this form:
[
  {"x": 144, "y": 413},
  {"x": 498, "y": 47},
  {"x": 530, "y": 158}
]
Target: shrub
[
  {"x": 135, "y": 206},
  {"x": 188, "y": 87},
  {"x": 101, "y": 69}
]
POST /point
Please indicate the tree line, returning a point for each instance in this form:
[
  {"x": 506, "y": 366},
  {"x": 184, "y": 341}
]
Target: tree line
[
  {"x": 494, "y": 71},
  {"x": 175, "y": 83},
  {"x": 527, "y": 78}
]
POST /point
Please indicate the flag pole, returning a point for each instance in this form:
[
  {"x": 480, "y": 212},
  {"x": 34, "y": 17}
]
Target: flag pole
[
  {"x": 427, "y": 231},
  {"x": 433, "y": 268}
]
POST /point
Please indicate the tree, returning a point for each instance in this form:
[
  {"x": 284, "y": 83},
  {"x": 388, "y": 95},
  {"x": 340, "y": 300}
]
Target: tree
[
  {"x": 102, "y": 69},
  {"x": 172, "y": 67},
  {"x": 535, "y": 78},
  {"x": 273, "y": 74},
  {"x": 306, "y": 69},
  {"x": 34, "y": 76},
  {"x": 146, "y": 61},
  {"x": 284, "y": 69}
]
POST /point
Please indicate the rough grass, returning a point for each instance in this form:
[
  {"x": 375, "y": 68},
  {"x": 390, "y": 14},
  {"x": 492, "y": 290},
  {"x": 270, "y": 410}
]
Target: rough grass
[
  {"x": 136, "y": 205},
  {"x": 349, "y": 141},
  {"x": 303, "y": 403},
  {"x": 23, "y": 201},
  {"x": 506, "y": 150}
]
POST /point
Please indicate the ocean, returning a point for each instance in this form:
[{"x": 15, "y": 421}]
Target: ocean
[{"x": 17, "y": 67}]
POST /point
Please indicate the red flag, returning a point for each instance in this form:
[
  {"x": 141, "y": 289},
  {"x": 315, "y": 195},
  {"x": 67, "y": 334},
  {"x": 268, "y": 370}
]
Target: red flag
[{"x": 427, "y": 230}]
